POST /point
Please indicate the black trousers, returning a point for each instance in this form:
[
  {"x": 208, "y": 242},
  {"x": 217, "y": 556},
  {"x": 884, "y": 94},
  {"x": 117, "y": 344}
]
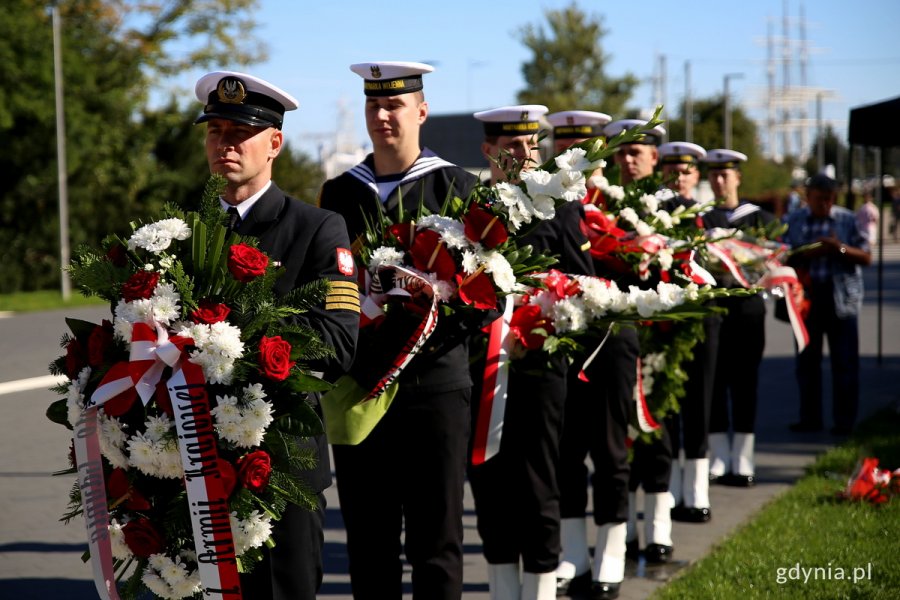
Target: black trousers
[
  {"x": 516, "y": 492},
  {"x": 843, "y": 347},
  {"x": 651, "y": 465},
  {"x": 689, "y": 428},
  {"x": 292, "y": 570},
  {"x": 596, "y": 424},
  {"x": 742, "y": 341},
  {"x": 409, "y": 472}
]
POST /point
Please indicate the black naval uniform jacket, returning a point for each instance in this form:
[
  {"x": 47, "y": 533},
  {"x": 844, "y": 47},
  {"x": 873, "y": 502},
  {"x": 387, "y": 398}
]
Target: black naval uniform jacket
[
  {"x": 304, "y": 239},
  {"x": 443, "y": 363}
]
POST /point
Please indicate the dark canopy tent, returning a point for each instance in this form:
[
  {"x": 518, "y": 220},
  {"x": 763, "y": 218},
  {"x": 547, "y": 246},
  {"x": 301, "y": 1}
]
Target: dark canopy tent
[{"x": 876, "y": 125}]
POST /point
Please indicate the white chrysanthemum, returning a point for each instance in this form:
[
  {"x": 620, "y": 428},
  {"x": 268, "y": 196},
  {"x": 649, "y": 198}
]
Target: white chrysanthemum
[
  {"x": 157, "y": 426},
  {"x": 650, "y": 203},
  {"x": 112, "y": 441},
  {"x": 226, "y": 410},
  {"x": 254, "y": 391},
  {"x": 443, "y": 290},
  {"x": 647, "y": 382},
  {"x": 225, "y": 339},
  {"x": 439, "y": 223},
  {"x": 260, "y": 411},
  {"x": 665, "y": 258},
  {"x": 156, "y": 237},
  {"x": 165, "y": 303},
  {"x": 569, "y": 315},
  {"x": 169, "y": 578},
  {"x": 251, "y": 532},
  {"x": 469, "y": 262},
  {"x": 142, "y": 454},
  {"x": 500, "y": 270},
  {"x": 655, "y": 361},
  {"x": 386, "y": 257},
  {"x": 117, "y": 543},
  {"x": 574, "y": 185},
  {"x": 168, "y": 461},
  {"x": 249, "y": 437},
  {"x": 601, "y": 296},
  {"x": 229, "y": 430},
  {"x": 75, "y": 397}
]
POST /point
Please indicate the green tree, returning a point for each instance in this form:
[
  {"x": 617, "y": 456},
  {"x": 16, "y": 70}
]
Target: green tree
[
  {"x": 567, "y": 70},
  {"x": 762, "y": 180},
  {"x": 116, "y": 165}
]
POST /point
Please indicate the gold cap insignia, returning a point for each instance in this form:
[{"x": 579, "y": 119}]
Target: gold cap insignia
[
  {"x": 570, "y": 120},
  {"x": 231, "y": 90},
  {"x": 376, "y": 71},
  {"x": 524, "y": 115}
]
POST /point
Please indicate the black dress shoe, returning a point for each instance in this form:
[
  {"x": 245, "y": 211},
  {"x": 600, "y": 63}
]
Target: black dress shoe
[
  {"x": 632, "y": 549},
  {"x": 805, "y": 427},
  {"x": 658, "y": 553},
  {"x": 604, "y": 591},
  {"x": 691, "y": 514},
  {"x": 735, "y": 480},
  {"x": 578, "y": 585}
]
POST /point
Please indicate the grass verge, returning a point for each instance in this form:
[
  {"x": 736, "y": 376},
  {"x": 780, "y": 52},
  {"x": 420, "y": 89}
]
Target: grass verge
[
  {"x": 43, "y": 300},
  {"x": 807, "y": 543}
]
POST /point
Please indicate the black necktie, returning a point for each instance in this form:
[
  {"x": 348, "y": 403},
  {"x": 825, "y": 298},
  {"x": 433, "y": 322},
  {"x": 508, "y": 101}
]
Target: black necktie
[{"x": 234, "y": 218}]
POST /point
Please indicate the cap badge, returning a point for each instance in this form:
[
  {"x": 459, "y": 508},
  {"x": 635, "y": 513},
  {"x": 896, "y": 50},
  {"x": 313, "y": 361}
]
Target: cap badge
[
  {"x": 570, "y": 120},
  {"x": 376, "y": 71},
  {"x": 524, "y": 115},
  {"x": 231, "y": 90}
]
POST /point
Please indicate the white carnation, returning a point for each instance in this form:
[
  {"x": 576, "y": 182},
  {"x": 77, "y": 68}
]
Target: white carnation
[
  {"x": 499, "y": 268},
  {"x": 156, "y": 237},
  {"x": 569, "y": 314}
]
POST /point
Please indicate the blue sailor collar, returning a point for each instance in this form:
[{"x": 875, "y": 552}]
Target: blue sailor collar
[{"x": 426, "y": 163}]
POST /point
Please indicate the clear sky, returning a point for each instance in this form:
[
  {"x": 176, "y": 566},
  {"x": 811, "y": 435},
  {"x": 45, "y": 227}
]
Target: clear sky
[{"x": 474, "y": 45}]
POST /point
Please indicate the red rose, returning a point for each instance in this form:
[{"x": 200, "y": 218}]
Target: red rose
[
  {"x": 99, "y": 342},
  {"x": 484, "y": 227},
  {"x": 209, "y": 312},
  {"x": 523, "y": 323},
  {"x": 75, "y": 358},
  {"x": 143, "y": 538},
  {"x": 120, "y": 491},
  {"x": 140, "y": 286},
  {"x": 477, "y": 290},
  {"x": 117, "y": 255},
  {"x": 246, "y": 262},
  {"x": 254, "y": 470},
  {"x": 275, "y": 357},
  {"x": 227, "y": 475}
]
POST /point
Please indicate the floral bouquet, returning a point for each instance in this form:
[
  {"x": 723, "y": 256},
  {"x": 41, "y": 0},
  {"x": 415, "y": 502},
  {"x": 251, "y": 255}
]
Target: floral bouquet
[
  {"x": 188, "y": 408},
  {"x": 871, "y": 484}
]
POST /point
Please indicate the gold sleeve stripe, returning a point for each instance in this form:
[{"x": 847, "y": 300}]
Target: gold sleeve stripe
[
  {"x": 342, "y": 306},
  {"x": 586, "y": 245},
  {"x": 345, "y": 286}
]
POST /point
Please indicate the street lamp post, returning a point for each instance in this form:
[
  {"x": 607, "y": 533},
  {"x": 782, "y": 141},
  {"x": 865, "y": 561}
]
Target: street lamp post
[
  {"x": 726, "y": 120},
  {"x": 65, "y": 284}
]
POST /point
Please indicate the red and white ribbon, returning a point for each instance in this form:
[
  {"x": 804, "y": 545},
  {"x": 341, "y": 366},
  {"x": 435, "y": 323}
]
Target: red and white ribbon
[
  {"x": 645, "y": 418},
  {"x": 785, "y": 278},
  {"x": 207, "y": 498},
  {"x": 407, "y": 282},
  {"x": 151, "y": 352},
  {"x": 492, "y": 404},
  {"x": 92, "y": 484}
]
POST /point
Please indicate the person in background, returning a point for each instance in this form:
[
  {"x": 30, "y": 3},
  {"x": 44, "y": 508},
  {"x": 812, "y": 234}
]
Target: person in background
[
  {"x": 832, "y": 254},
  {"x": 652, "y": 461},
  {"x": 689, "y": 428},
  {"x": 517, "y": 492},
  {"x": 243, "y": 116},
  {"x": 410, "y": 470},
  {"x": 742, "y": 337},
  {"x": 867, "y": 219}
]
